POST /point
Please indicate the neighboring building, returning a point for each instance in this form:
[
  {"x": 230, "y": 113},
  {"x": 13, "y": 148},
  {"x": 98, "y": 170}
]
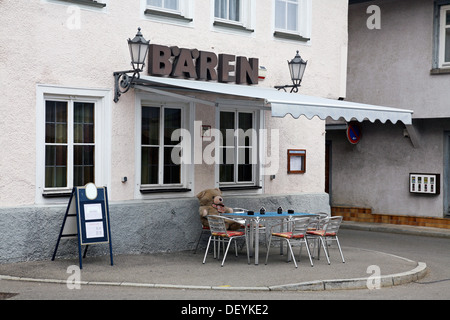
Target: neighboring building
[
  {"x": 399, "y": 56},
  {"x": 60, "y": 127}
]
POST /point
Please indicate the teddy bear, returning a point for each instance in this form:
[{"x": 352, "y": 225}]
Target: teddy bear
[{"x": 211, "y": 203}]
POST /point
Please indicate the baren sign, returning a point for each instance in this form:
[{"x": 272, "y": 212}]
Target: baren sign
[{"x": 201, "y": 65}]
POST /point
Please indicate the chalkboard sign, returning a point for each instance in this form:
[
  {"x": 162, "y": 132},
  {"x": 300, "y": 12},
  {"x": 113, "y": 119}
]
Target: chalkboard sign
[{"x": 87, "y": 218}]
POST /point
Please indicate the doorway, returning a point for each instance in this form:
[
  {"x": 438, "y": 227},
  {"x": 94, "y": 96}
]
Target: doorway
[{"x": 328, "y": 168}]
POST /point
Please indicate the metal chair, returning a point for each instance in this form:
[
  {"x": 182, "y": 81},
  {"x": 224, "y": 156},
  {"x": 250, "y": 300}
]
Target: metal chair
[
  {"x": 327, "y": 231},
  {"x": 205, "y": 231},
  {"x": 298, "y": 229},
  {"x": 261, "y": 227},
  {"x": 316, "y": 223},
  {"x": 219, "y": 231}
]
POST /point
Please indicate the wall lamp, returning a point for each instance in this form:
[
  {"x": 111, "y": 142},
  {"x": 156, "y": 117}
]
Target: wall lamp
[
  {"x": 297, "y": 68},
  {"x": 123, "y": 80}
]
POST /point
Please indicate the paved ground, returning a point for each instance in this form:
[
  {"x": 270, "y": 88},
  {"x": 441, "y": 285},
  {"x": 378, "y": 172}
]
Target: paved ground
[{"x": 185, "y": 270}]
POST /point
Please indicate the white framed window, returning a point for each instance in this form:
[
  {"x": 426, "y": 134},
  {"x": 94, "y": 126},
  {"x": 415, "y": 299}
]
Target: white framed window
[
  {"x": 292, "y": 19},
  {"x": 444, "y": 37},
  {"x": 177, "y": 10},
  {"x": 228, "y": 10},
  {"x": 72, "y": 139},
  {"x": 160, "y": 166},
  {"x": 239, "y": 148},
  {"x": 157, "y": 146},
  {"x": 234, "y": 14},
  {"x": 170, "y": 5}
]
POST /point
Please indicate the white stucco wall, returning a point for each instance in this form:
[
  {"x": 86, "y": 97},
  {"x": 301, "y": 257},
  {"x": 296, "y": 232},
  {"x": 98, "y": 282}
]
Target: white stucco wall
[{"x": 39, "y": 45}]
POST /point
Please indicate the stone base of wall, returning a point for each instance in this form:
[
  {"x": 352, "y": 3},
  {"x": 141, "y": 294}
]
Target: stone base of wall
[
  {"x": 31, "y": 233},
  {"x": 365, "y": 215}
]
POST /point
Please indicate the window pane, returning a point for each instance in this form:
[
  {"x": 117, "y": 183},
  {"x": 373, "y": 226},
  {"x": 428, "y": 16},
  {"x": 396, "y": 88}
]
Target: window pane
[
  {"x": 220, "y": 8},
  {"x": 226, "y": 172},
  {"x": 55, "y": 166},
  {"x": 56, "y": 122},
  {"x": 156, "y": 3},
  {"x": 150, "y": 126},
  {"x": 447, "y": 45},
  {"x": 83, "y": 122},
  {"x": 172, "y": 121},
  {"x": 172, "y": 172},
  {"x": 83, "y": 165},
  {"x": 149, "y": 165},
  {"x": 234, "y": 10},
  {"x": 171, "y": 4},
  {"x": 280, "y": 14},
  {"x": 292, "y": 13},
  {"x": 245, "y": 172},
  {"x": 447, "y": 18}
]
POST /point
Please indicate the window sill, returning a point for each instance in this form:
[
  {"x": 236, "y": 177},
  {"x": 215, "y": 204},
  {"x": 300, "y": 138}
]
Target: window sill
[
  {"x": 91, "y": 3},
  {"x": 56, "y": 194},
  {"x": 164, "y": 190},
  {"x": 166, "y": 14},
  {"x": 229, "y": 25},
  {"x": 290, "y": 36},
  {"x": 234, "y": 188},
  {"x": 440, "y": 71}
]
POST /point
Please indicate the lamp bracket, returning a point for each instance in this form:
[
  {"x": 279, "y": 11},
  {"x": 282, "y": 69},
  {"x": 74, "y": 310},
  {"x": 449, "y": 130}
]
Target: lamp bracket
[
  {"x": 123, "y": 81},
  {"x": 293, "y": 86}
]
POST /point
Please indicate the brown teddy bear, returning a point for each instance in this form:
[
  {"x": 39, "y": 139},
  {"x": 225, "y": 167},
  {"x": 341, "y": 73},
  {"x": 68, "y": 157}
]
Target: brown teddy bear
[{"x": 211, "y": 203}]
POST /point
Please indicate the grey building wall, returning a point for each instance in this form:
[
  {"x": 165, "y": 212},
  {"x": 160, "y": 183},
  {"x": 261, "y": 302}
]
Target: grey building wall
[
  {"x": 392, "y": 66},
  {"x": 375, "y": 172}
]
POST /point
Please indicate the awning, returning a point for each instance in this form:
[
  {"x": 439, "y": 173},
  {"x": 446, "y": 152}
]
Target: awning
[{"x": 283, "y": 103}]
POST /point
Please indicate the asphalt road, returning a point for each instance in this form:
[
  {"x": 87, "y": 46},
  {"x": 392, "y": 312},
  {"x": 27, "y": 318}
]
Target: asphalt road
[{"x": 435, "y": 252}]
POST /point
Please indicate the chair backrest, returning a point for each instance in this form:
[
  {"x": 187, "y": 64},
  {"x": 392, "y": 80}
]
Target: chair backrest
[
  {"x": 317, "y": 221},
  {"x": 332, "y": 224},
  {"x": 217, "y": 224},
  {"x": 301, "y": 226}
]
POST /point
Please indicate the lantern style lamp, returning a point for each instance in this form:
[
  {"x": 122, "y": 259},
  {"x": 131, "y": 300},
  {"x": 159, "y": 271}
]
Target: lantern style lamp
[
  {"x": 297, "y": 68},
  {"x": 138, "y": 51}
]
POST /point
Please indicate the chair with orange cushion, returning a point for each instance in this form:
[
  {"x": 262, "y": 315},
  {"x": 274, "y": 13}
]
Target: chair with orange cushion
[
  {"x": 296, "y": 233},
  {"x": 328, "y": 231},
  {"x": 219, "y": 231}
]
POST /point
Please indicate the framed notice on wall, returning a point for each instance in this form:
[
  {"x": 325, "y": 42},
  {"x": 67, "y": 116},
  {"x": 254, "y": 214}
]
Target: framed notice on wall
[
  {"x": 296, "y": 159},
  {"x": 424, "y": 183}
]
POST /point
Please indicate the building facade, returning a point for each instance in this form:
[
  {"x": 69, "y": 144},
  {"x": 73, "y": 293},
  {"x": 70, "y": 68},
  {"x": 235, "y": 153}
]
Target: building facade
[
  {"x": 62, "y": 125},
  {"x": 398, "y": 57}
]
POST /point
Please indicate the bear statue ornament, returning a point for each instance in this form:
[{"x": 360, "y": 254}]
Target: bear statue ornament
[{"x": 211, "y": 203}]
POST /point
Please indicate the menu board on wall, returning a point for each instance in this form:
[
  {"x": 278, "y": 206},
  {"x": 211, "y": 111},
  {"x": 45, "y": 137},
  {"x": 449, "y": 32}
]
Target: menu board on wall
[{"x": 424, "y": 183}]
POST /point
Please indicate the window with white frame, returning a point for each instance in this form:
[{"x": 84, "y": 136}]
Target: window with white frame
[
  {"x": 228, "y": 9},
  {"x": 165, "y": 4},
  {"x": 292, "y": 18},
  {"x": 69, "y": 143},
  {"x": 160, "y": 150},
  {"x": 235, "y": 14},
  {"x": 174, "y": 9},
  {"x": 444, "y": 37},
  {"x": 238, "y": 158},
  {"x": 72, "y": 139}
]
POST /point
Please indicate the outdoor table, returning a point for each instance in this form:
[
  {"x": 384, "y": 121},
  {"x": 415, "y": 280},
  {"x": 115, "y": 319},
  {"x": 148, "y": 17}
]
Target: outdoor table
[{"x": 253, "y": 222}]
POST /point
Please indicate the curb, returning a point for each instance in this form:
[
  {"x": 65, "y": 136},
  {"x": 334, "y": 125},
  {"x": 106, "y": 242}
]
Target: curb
[
  {"x": 399, "y": 229},
  {"x": 319, "y": 285}
]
